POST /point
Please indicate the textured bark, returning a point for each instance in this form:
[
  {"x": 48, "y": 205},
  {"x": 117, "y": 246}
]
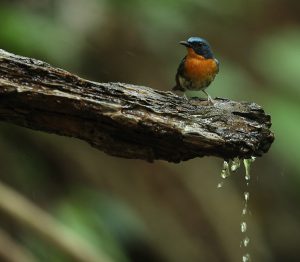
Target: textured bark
[{"x": 126, "y": 120}]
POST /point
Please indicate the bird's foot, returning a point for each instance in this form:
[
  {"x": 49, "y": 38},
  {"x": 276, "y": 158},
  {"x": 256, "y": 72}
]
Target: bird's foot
[{"x": 210, "y": 100}]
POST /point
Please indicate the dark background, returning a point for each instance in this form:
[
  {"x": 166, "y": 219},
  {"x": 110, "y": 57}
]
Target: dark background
[{"x": 137, "y": 211}]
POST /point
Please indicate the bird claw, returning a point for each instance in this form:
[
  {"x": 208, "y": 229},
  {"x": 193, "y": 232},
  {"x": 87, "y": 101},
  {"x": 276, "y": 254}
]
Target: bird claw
[{"x": 210, "y": 100}]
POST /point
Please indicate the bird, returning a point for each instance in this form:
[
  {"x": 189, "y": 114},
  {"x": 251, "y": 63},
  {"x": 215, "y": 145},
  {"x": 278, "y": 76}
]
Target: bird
[{"x": 198, "y": 68}]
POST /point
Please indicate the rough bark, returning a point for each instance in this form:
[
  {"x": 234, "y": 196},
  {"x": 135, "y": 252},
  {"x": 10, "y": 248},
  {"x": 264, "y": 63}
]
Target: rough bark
[{"x": 126, "y": 120}]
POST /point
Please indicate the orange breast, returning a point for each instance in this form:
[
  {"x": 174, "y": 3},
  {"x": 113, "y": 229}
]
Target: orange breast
[{"x": 198, "y": 68}]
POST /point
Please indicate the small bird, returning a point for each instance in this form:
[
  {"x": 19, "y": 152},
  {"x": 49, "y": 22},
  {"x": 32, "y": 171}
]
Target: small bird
[{"x": 198, "y": 68}]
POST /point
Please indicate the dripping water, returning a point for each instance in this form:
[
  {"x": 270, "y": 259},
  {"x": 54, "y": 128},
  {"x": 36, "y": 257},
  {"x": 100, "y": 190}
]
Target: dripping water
[
  {"x": 245, "y": 212},
  {"x": 224, "y": 173},
  {"x": 235, "y": 164},
  {"x": 246, "y": 258},
  {"x": 247, "y": 164},
  {"x": 230, "y": 167}
]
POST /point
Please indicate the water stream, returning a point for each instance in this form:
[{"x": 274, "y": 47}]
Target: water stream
[
  {"x": 245, "y": 212},
  {"x": 230, "y": 167}
]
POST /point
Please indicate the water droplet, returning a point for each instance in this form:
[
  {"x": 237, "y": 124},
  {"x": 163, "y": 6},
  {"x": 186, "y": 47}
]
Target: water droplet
[
  {"x": 246, "y": 196},
  {"x": 235, "y": 164},
  {"x": 243, "y": 227},
  {"x": 246, "y": 241},
  {"x": 225, "y": 170},
  {"x": 247, "y": 164},
  {"x": 246, "y": 258},
  {"x": 220, "y": 185},
  {"x": 244, "y": 212}
]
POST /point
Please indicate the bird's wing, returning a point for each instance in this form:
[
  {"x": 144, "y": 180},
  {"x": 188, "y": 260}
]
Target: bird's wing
[
  {"x": 218, "y": 64},
  {"x": 180, "y": 72}
]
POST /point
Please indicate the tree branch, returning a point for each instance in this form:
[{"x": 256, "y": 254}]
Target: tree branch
[{"x": 126, "y": 120}]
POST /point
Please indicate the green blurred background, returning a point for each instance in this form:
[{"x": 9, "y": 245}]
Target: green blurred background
[{"x": 132, "y": 210}]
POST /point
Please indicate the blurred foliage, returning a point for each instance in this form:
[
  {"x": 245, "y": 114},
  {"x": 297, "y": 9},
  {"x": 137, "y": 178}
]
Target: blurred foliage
[
  {"x": 37, "y": 35},
  {"x": 137, "y": 211}
]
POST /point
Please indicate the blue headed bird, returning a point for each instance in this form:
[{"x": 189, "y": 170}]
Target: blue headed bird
[{"x": 198, "y": 68}]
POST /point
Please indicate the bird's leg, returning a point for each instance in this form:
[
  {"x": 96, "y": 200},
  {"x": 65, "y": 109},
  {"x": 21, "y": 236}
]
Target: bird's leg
[
  {"x": 209, "y": 99},
  {"x": 185, "y": 96}
]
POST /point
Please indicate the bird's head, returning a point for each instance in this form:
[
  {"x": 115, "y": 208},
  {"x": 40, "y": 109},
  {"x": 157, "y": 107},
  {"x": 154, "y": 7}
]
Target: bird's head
[{"x": 199, "y": 45}]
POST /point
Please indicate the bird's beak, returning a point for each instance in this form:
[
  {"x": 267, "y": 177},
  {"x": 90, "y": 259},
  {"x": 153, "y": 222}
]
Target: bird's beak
[{"x": 185, "y": 43}]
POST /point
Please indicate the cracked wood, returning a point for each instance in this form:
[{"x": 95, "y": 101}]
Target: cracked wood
[{"x": 126, "y": 120}]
